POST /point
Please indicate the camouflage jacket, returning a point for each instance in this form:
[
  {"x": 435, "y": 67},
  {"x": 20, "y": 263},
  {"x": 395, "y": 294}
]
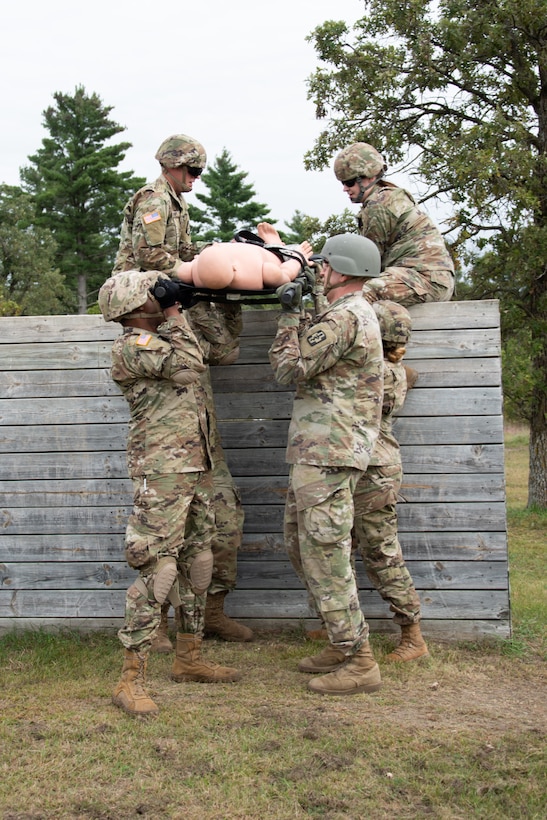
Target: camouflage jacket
[
  {"x": 219, "y": 325},
  {"x": 155, "y": 232},
  {"x": 337, "y": 364},
  {"x": 159, "y": 376},
  {"x": 406, "y": 237},
  {"x": 386, "y": 450}
]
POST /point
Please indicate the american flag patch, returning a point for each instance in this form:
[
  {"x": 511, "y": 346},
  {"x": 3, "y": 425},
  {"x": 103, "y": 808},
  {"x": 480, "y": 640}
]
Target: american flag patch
[
  {"x": 143, "y": 339},
  {"x": 153, "y": 216}
]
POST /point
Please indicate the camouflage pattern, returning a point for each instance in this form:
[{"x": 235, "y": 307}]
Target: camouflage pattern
[
  {"x": 221, "y": 324},
  {"x": 317, "y": 530},
  {"x": 172, "y": 516},
  {"x": 416, "y": 264},
  {"x": 337, "y": 365},
  {"x": 395, "y": 322},
  {"x": 155, "y": 232},
  {"x": 358, "y": 160},
  {"x": 125, "y": 292},
  {"x": 159, "y": 375},
  {"x": 375, "y": 500},
  {"x": 180, "y": 149}
]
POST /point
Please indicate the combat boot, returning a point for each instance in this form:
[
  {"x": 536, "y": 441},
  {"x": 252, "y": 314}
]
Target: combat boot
[
  {"x": 329, "y": 659},
  {"x": 161, "y": 641},
  {"x": 220, "y": 625},
  {"x": 189, "y": 665},
  {"x": 411, "y": 645},
  {"x": 359, "y": 674},
  {"x": 130, "y": 693}
]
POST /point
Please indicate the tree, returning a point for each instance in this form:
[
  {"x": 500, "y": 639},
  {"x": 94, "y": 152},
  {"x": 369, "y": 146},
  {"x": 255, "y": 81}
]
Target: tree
[
  {"x": 78, "y": 193},
  {"x": 29, "y": 281},
  {"x": 458, "y": 91},
  {"x": 230, "y": 203},
  {"x": 303, "y": 227}
]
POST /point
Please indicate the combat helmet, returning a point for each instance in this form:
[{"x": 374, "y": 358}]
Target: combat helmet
[
  {"x": 358, "y": 160},
  {"x": 352, "y": 255},
  {"x": 394, "y": 320},
  {"x": 181, "y": 150},
  {"x": 125, "y": 292}
]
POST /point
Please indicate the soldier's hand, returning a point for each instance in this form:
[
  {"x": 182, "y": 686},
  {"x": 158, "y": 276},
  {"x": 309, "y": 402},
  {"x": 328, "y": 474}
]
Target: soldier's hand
[
  {"x": 307, "y": 280},
  {"x": 290, "y": 296},
  {"x": 166, "y": 293}
]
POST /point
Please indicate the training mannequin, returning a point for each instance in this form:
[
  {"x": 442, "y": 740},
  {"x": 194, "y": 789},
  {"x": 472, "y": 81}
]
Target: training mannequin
[{"x": 242, "y": 266}]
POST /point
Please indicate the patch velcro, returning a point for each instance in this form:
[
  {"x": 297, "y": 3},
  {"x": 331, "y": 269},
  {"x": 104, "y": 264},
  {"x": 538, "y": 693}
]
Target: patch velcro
[{"x": 317, "y": 338}]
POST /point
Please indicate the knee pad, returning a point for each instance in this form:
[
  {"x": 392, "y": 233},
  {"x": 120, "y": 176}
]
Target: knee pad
[
  {"x": 164, "y": 578},
  {"x": 201, "y": 572}
]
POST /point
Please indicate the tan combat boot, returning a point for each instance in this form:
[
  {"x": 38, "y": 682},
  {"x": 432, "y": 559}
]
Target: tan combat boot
[
  {"x": 329, "y": 659},
  {"x": 411, "y": 645},
  {"x": 359, "y": 674},
  {"x": 161, "y": 641},
  {"x": 317, "y": 634},
  {"x": 130, "y": 694},
  {"x": 189, "y": 665},
  {"x": 220, "y": 625}
]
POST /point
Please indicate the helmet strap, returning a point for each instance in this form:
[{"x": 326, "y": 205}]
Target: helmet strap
[{"x": 364, "y": 188}]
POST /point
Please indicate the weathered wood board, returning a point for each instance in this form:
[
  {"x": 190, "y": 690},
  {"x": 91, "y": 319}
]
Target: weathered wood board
[{"x": 65, "y": 495}]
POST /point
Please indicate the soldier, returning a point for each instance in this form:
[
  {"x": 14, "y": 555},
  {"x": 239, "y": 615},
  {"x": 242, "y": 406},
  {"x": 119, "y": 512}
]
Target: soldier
[
  {"x": 157, "y": 362},
  {"x": 375, "y": 497},
  {"x": 416, "y": 265},
  {"x": 155, "y": 235},
  {"x": 336, "y": 363}
]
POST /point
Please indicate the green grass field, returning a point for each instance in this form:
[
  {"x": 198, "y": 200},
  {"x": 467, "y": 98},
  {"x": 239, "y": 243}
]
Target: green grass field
[{"x": 457, "y": 736}]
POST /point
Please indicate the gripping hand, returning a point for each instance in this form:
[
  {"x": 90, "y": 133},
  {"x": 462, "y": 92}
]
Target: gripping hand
[
  {"x": 290, "y": 296},
  {"x": 166, "y": 293}
]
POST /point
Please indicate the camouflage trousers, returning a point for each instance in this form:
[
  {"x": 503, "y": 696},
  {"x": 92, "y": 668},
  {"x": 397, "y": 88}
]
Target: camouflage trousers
[
  {"x": 410, "y": 287},
  {"x": 317, "y": 529},
  {"x": 168, "y": 539},
  {"x": 376, "y": 539},
  {"x": 229, "y": 517}
]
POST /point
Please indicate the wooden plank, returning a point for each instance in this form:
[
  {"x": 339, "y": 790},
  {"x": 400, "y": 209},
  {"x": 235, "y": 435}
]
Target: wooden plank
[
  {"x": 477, "y": 372},
  {"x": 107, "y": 492},
  {"x": 265, "y": 518},
  {"x": 55, "y": 356},
  {"x": 431, "y": 546},
  {"x": 466, "y": 604},
  {"x": 64, "y": 465},
  {"x": 29, "y": 384},
  {"x": 440, "y": 631},
  {"x": 62, "y": 438},
  {"x": 255, "y": 574}
]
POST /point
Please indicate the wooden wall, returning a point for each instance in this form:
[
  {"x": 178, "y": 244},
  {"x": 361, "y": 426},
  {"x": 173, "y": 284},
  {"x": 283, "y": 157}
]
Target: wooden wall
[{"x": 65, "y": 495}]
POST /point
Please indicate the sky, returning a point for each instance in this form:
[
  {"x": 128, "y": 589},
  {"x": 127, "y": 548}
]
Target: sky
[{"x": 231, "y": 74}]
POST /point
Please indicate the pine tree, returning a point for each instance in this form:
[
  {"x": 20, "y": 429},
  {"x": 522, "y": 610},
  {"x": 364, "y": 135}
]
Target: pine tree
[
  {"x": 230, "y": 203},
  {"x": 30, "y": 285},
  {"x": 78, "y": 193}
]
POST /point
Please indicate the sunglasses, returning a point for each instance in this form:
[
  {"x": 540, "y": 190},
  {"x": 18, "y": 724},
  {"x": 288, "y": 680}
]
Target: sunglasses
[
  {"x": 194, "y": 172},
  {"x": 349, "y": 183}
]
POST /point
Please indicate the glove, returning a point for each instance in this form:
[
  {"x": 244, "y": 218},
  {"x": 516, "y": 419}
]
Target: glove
[
  {"x": 290, "y": 296},
  {"x": 166, "y": 293},
  {"x": 307, "y": 280}
]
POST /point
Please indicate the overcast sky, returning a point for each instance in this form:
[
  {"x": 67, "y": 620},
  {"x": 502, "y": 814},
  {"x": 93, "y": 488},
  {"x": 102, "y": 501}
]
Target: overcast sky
[{"x": 231, "y": 74}]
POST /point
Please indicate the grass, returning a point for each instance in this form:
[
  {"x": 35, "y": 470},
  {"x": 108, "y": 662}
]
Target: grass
[{"x": 460, "y": 735}]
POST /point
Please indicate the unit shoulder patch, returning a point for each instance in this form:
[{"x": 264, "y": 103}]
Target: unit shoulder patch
[{"x": 317, "y": 338}]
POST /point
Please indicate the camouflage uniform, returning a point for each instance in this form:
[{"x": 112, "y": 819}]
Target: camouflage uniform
[
  {"x": 375, "y": 500},
  {"x": 416, "y": 265},
  {"x": 155, "y": 232},
  {"x": 155, "y": 236},
  {"x": 337, "y": 366},
  {"x": 221, "y": 324},
  {"x": 169, "y": 459}
]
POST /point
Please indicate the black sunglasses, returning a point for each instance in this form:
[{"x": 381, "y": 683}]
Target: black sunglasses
[
  {"x": 349, "y": 183},
  {"x": 195, "y": 172}
]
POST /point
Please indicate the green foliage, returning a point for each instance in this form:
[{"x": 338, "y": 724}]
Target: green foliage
[
  {"x": 230, "y": 203},
  {"x": 78, "y": 193},
  {"x": 30, "y": 284},
  {"x": 459, "y": 88},
  {"x": 303, "y": 227}
]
